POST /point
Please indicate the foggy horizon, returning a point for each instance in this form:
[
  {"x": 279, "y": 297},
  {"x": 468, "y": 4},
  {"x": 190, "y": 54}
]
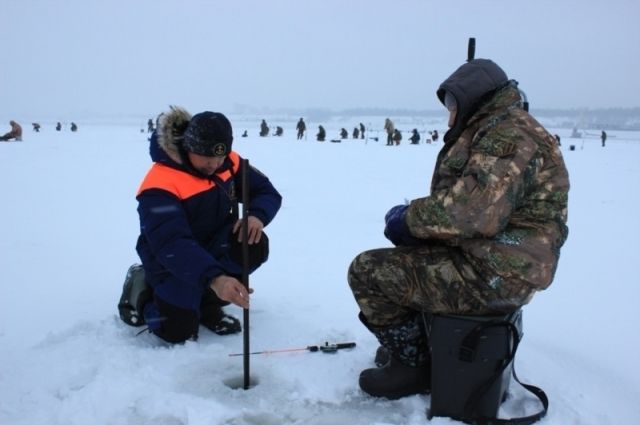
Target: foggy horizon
[{"x": 88, "y": 58}]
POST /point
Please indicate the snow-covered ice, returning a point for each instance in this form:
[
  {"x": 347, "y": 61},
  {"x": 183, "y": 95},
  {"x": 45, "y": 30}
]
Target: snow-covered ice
[{"x": 68, "y": 226}]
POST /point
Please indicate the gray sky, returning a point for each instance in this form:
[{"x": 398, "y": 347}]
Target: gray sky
[{"x": 138, "y": 56}]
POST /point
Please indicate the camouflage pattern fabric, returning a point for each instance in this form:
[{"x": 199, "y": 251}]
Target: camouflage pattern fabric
[
  {"x": 391, "y": 284},
  {"x": 492, "y": 225}
]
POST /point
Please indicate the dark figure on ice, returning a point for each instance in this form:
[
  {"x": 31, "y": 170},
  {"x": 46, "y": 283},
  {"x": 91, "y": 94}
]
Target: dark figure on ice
[
  {"x": 361, "y": 131},
  {"x": 344, "y": 133},
  {"x": 415, "y": 137},
  {"x": 397, "y": 136},
  {"x": 264, "y": 129},
  {"x": 150, "y": 126},
  {"x": 36, "y": 127},
  {"x": 279, "y": 131},
  {"x": 58, "y": 126},
  {"x": 485, "y": 239},
  {"x": 74, "y": 127},
  {"x": 301, "y": 127},
  {"x": 434, "y": 135},
  {"x": 356, "y": 133},
  {"x": 390, "y": 129},
  {"x": 14, "y": 133},
  {"x": 190, "y": 231},
  {"x": 603, "y": 137},
  {"x": 244, "y": 134},
  {"x": 322, "y": 134}
]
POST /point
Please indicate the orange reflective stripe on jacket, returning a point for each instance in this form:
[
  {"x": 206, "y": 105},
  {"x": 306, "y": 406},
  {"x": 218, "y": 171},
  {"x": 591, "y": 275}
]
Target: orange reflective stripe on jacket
[{"x": 182, "y": 184}]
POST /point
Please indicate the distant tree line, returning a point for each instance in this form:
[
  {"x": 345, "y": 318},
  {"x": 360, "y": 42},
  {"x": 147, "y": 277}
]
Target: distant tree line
[{"x": 599, "y": 118}]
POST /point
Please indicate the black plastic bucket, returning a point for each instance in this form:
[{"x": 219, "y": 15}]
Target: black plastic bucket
[{"x": 471, "y": 363}]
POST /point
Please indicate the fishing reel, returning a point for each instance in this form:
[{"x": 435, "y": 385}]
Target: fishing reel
[{"x": 331, "y": 348}]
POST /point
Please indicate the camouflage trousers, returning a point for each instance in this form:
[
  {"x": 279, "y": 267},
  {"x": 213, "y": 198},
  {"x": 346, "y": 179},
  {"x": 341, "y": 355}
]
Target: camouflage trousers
[{"x": 391, "y": 284}]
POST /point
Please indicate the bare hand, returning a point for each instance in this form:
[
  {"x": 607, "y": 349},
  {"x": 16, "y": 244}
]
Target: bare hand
[
  {"x": 255, "y": 229},
  {"x": 230, "y": 289}
]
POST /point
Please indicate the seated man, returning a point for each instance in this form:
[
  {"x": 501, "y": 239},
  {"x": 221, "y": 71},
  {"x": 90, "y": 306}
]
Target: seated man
[
  {"x": 415, "y": 137},
  {"x": 397, "y": 136},
  {"x": 189, "y": 229},
  {"x": 264, "y": 129},
  {"x": 322, "y": 134},
  {"x": 15, "y": 133},
  {"x": 485, "y": 239}
]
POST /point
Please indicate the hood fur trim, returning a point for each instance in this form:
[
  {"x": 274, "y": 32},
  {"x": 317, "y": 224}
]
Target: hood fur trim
[{"x": 170, "y": 128}]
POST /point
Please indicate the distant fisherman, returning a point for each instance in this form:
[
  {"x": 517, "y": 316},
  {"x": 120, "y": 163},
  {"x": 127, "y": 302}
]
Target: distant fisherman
[
  {"x": 15, "y": 133},
  {"x": 301, "y": 127}
]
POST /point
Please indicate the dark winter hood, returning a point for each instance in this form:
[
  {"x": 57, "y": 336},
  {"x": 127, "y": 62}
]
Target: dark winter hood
[{"x": 472, "y": 84}]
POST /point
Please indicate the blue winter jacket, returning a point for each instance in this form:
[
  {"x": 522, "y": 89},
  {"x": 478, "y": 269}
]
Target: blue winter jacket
[{"x": 186, "y": 221}]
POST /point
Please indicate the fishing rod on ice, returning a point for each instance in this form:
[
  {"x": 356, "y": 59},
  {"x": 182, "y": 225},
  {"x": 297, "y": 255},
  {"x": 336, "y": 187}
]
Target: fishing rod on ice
[{"x": 326, "y": 348}]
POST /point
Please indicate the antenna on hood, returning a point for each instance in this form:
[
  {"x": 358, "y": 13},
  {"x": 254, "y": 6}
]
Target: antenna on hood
[
  {"x": 471, "y": 49},
  {"x": 471, "y": 53}
]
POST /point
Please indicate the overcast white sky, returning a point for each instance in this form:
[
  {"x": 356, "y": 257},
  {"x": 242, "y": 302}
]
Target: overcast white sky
[{"x": 138, "y": 56}]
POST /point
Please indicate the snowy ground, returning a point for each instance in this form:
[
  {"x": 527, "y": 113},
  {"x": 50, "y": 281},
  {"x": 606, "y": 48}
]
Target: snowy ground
[{"x": 68, "y": 226}]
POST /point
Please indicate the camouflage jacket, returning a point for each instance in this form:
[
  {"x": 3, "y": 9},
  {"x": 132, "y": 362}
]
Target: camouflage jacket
[{"x": 499, "y": 192}]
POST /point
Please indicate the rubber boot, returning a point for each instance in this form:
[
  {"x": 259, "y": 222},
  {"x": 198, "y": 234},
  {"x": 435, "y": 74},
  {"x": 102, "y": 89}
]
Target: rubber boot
[
  {"x": 382, "y": 356},
  {"x": 135, "y": 295},
  {"x": 214, "y": 318},
  {"x": 408, "y": 370}
]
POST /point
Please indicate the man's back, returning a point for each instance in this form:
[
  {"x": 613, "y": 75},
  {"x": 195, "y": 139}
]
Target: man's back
[{"x": 508, "y": 212}]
